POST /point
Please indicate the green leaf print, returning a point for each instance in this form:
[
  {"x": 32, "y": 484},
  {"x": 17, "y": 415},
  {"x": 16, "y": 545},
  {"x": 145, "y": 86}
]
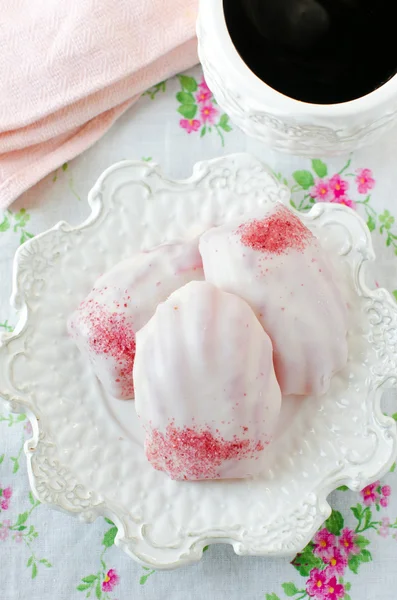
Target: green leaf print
[
  {"x": 188, "y": 111},
  {"x": 6, "y": 326},
  {"x": 272, "y": 597},
  {"x": 304, "y": 179},
  {"x": 108, "y": 538},
  {"x": 18, "y": 222},
  {"x": 357, "y": 511},
  {"x": 188, "y": 83},
  {"x": 45, "y": 562},
  {"x": 290, "y": 589},
  {"x": 335, "y": 523},
  {"x": 21, "y": 218},
  {"x": 361, "y": 541},
  {"x": 224, "y": 123},
  {"x": 98, "y": 592},
  {"x": 305, "y": 561},
  {"x": 34, "y": 570},
  {"x": 355, "y": 561},
  {"x": 319, "y": 168},
  {"x": 90, "y": 578},
  {"x": 25, "y": 236},
  {"x": 153, "y": 91},
  {"x": 15, "y": 460},
  {"x": 185, "y": 98},
  {"x": 22, "y": 518},
  {"x": 387, "y": 220},
  {"x": 144, "y": 578},
  {"x": 371, "y": 223},
  {"x": 365, "y": 556},
  {"x": 5, "y": 225},
  {"x": 83, "y": 586}
]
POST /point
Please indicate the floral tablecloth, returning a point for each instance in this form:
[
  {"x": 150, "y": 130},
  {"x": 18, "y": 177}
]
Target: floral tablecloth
[{"x": 47, "y": 555}]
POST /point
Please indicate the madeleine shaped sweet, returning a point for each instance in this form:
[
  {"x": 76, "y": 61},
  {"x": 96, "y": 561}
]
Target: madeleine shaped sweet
[
  {"x": 121, "y": 302},
  {"x": 205, "y": 387},
  {"x": 276, "y": 264}
]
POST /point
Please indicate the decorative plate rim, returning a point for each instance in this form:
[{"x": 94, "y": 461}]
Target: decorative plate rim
[{"x": 95, "y": 507}]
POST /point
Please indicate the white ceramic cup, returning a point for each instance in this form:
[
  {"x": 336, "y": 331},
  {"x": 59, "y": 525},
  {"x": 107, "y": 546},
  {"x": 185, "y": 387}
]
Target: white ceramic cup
[{"x": 281, "y": 122}]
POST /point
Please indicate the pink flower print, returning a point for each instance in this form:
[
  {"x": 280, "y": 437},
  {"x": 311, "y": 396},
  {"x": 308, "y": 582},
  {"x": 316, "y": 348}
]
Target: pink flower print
[
  {"x": 3, "y": 534},
  {"x": 208, "y": 113},
  {"x": 333, "y": 590},
  {"x": 384, "y": 529},
  {"x": 315, "y": 585},
  {"x": 203, "y": 87},
  {"x": 7, "y": 493},
  {"x": 346, "y": 201},
  {"x": 190, "y": 124},
  {"x": 204, "y": 94},
  {"x": 364, "y": 180},
  {"x": 28, "y": 428},
  {"x": 321, "y": 191},
  {"x": 347, "y": 542},
  {"x": 4, "y": 505},
  {"x": 338, "y": 186},
  {"x": 369, "y": 494},
  {"x": 336, "y": 562},
  {"x": 18, "y": 537},
  {"x": 4, "y": 530},
  {"x": 110, "y": 581},
  {"x": 324, "y": 543},
  {"x": 386, "y": 490}
]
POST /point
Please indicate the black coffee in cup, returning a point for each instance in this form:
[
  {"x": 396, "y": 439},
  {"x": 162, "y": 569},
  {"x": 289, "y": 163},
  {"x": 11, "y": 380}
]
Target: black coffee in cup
[{"x": 319, "y": 51}]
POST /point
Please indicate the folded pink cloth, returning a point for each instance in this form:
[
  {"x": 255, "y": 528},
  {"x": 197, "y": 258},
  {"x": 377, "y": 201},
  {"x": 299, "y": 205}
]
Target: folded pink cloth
[{"x": 68, "y": 70}]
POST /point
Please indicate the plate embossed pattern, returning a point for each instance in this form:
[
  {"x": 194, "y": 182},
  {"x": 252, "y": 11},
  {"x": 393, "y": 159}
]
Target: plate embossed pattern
[{"x": 86, "y": 456}]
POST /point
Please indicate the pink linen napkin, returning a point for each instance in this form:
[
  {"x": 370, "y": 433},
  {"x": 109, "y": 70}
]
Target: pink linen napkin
[{"x": 68, "y": 70}]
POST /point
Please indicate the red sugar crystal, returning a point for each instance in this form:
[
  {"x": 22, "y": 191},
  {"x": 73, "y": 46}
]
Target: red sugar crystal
[
  {"x": 196, "y": 453},
  {"x": 276, "y": 234},
  {"x": 111, "y": 333}
]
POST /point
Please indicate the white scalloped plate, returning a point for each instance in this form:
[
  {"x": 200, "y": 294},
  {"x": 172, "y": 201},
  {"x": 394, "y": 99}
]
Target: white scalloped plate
[{"x": 86, "y": 453}]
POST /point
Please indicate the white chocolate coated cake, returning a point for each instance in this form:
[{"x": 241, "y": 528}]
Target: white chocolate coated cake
[
  {"x": 205, "y": 387},
  {"x": 275, "y": 263},
  {"x": 121, "y": 302}
]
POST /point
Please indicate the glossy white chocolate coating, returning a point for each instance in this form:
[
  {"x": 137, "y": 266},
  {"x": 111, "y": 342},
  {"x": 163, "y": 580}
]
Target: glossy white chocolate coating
[
  {"x": 121, "y": 302},
  {"x": 204, "y": 380},
  {"x": 293, "y": 292}
]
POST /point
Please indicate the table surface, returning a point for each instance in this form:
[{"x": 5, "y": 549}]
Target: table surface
[{"x": 45, "y": 554}]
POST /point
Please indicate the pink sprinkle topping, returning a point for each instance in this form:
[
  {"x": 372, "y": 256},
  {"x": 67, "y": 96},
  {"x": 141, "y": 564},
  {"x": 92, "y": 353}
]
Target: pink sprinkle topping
[
  {"x": 276, "y": 234},
  {"x": 111, "y": 334},
  {"x": 196, "y": 453}
]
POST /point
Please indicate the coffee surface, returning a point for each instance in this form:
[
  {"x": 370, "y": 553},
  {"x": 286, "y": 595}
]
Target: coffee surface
[{"x": 319, "y": 51}]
